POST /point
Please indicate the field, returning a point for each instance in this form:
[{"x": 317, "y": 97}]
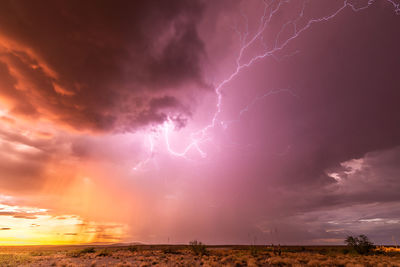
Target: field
[{"x": 197, "y": 255}]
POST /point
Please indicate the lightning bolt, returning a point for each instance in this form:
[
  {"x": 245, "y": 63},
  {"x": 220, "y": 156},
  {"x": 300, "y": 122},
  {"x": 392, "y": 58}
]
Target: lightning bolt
[
  {"x": 168, "y": 125},
  {"x": 270, "y": 9},
  {"x": 225, "y": 124}
]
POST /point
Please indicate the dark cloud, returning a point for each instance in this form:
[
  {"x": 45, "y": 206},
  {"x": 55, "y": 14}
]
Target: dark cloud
[
  {"x": 363, "y": 199},
  {"x": 21, "y": 170},
  {"x": 24, "y": 159},
  {"x": 25, "y": 216},
  {"x": 20, "y": 215},
  {"x": 27, "y": 154},
  {"x": 100, "y": 65},
  {"x": 371, "y": 179}
]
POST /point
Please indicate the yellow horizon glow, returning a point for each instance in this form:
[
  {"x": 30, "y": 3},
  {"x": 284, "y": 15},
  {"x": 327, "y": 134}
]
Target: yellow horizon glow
[{"x": 25, "y": 226}]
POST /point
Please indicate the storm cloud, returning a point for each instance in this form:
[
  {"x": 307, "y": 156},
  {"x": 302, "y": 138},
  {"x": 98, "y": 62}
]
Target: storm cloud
[
  {"x": 100, "y": 65},
  {"x": 303, "y": 147}
]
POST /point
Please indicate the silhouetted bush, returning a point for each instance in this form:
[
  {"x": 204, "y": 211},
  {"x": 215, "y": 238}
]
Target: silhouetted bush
[
  {"x": 87, "y": 250},
  {"x": 361, "y": 244},
  {"x": 170, "y": 250},
  {"x": 81, "y": 252},
  {"x": 132, "y": 248},
  {"x": 198, "y": 248},
  {"x": 104, "y": 253}
]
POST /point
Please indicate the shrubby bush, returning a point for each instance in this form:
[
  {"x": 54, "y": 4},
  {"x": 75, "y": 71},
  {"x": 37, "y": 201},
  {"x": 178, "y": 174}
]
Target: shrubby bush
[
  {"x": 361, "y": 244},
  {"x": 104, "y": 253},
  {"x": 132, "y": 248},
  {"x": 198, "y": 248},
  {"x": 79, "y": 253}
]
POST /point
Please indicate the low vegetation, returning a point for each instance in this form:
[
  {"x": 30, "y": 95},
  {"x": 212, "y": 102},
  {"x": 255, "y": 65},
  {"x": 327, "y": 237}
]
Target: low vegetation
[
  {"x": 170, "y": 250},
  {"x": 104, "y": 253},
  {"x": 132, "y": 248},
  {"x": 81, "y": 252},
  {"x": 199, "y": 254},
  {"x": 15, "y": 259},
  {"x": 198, "y": 248}
]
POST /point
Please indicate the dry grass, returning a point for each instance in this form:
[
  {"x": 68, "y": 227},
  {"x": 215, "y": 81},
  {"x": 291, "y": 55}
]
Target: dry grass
[
  {"x": 15, "y": 259},
  {"x": 387, "y": 249},
  {"x": 184, "y": 256}
]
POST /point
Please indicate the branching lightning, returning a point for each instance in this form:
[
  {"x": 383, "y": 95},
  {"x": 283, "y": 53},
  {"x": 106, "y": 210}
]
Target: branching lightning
[
  {"x": 193, "y": 145},
  {"x": 225, "y": 124},
  {"x": 270, "y": 10}
]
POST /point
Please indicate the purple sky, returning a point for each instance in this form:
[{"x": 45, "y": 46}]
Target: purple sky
[{"x": 222, "y": 121}]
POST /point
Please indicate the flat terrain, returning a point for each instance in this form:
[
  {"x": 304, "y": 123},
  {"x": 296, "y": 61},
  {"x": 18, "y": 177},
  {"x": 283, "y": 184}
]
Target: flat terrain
[{"x": 181, "y": 255}]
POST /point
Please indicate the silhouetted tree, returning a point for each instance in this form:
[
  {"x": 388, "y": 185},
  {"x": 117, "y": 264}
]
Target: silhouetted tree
[
  {"x": 198, "y": 248},
  {"x": 361, "y": 244}
]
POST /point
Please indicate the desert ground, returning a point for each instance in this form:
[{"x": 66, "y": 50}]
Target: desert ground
[{"x": 182, "y": 255}]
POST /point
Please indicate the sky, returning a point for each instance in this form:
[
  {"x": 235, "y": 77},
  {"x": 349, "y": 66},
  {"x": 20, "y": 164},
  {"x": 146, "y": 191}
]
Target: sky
[{"x": 229, "y": 122}]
